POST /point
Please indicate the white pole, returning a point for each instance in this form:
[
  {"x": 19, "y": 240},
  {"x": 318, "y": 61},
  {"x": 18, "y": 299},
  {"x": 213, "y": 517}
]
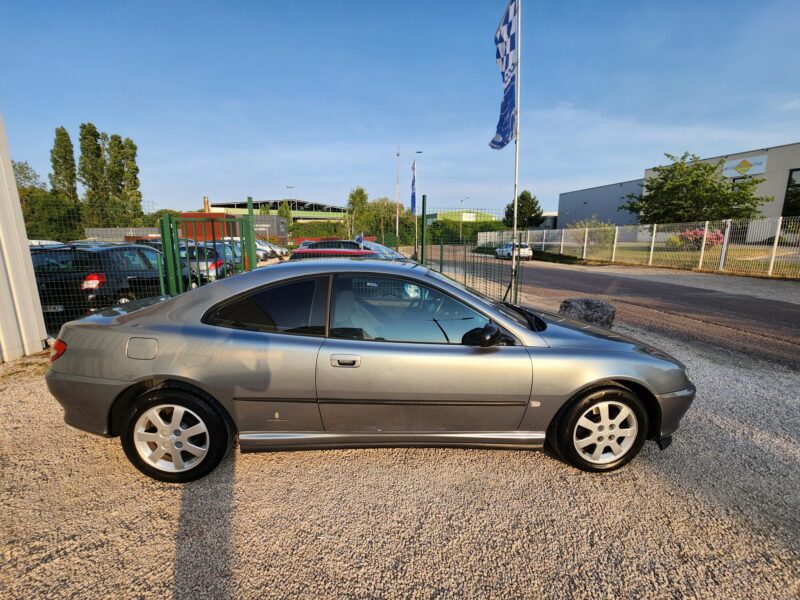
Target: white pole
[
  {"x": 724, "y": 252},
  {"x": 614, "y": 247},
  {"x": 544, "y": 237},
  {"x": 585, "y": 240},
  {"x": 518, "y": 76},
  {"x": 561, "y": 250},
  {"x": 652, "y": 245},
  {"x": 703, "y": 247},
  {"x": 775, "y": 245}
]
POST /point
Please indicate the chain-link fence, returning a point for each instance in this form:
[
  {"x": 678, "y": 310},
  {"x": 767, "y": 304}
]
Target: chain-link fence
[
  {"x": 118, "y": 265},
  {"x": 762, "y": 247}
]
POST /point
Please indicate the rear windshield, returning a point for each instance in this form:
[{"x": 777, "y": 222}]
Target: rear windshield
[
  {"x": 200, "y": 254},
  {"x": 59, "y": 261}
]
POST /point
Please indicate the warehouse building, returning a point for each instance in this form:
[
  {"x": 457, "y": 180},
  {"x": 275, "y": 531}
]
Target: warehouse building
[{"x": 779, "y": 166}]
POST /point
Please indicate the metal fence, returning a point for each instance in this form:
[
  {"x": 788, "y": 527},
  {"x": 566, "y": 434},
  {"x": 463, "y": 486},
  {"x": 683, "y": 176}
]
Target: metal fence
[{"x": 762, "y": 247}]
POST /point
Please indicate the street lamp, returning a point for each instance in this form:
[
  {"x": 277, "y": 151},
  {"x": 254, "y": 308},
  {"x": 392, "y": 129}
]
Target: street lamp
[
  {"x": 461, "y": 220},
  {"x": 290, "y": 188}
]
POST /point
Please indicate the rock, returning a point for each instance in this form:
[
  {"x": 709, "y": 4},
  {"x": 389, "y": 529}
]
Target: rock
[{"x": 595, "y": 312}]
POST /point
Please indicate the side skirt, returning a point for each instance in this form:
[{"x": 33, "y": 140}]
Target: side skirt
[{"x": 251, "y": 441}]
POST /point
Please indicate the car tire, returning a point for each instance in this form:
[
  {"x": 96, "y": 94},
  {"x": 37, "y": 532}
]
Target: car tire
[
  {"x": 205, "y": 438},
  {"x": 602, "y": 430}
]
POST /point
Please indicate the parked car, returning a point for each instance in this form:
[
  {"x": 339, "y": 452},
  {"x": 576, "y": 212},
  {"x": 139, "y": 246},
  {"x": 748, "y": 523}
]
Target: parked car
[
  {"x": 382, "y": 251},
  {"x": 264, "y": 250},
  {"x": 306, "y": 243},
  {"x": 318, "y": 354},
  {"x": 76, "y": 280},
  {"x": 507, "y": 250},
  {"x": 312, "y": 252},
  {"x": 280, "y": 251},
  {"x": 335, "y": 244},
  {"x": 211, "y": 261}
]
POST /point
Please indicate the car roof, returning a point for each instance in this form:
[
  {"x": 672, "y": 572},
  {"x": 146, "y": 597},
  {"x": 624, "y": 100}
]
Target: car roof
[{"x": 93, "y": 248}]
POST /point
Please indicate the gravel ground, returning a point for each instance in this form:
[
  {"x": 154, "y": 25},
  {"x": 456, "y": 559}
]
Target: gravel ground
[{"x": 714, "y": 516}]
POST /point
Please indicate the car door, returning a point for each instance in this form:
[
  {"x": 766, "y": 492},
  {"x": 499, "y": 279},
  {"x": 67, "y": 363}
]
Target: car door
[
  {"x": 394, "y": 362},
  {"x": 268, "y": 340},
  {"x": 138, "y": 277}
]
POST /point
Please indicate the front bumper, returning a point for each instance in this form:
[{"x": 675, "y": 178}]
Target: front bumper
[
  {"x": 673, "y": 406},
  {"x": 86, "y": 400}
]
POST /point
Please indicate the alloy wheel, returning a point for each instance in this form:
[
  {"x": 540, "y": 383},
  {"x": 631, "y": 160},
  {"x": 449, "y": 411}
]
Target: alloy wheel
[
  {"x": 605, "y": 432},
  {"x": 171, "y": 438}
]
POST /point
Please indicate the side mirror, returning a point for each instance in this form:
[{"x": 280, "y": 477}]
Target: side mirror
[{"x": 486, "y": 336}]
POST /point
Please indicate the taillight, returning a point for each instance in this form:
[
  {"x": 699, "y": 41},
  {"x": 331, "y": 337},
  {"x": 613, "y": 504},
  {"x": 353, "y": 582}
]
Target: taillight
[
  {"x": 219, "y": 263},
  {"x": 59, "y": 347},
  {"x": 93, "y": 281}
]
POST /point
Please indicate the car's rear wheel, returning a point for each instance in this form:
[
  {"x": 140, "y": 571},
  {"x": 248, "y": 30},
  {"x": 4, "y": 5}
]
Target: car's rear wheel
[
  {"x": 174, "y": 435},
  {"x": 603, "y": 430}
]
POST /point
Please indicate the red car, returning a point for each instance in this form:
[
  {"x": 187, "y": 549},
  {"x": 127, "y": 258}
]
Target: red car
[{"x": 302, "y": 253}]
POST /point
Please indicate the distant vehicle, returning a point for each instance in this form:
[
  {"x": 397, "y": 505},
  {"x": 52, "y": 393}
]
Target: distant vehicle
[
  {"x": 384, "y": 252},
  {"x": 506, "y": 251},
  {"x": 264, "y": 250},
  {"x": 306, "y": 243},
  {"x": 44, "y": 243},
  {"x": 211, "y": 261},
  {"x": 333, "y": 244},
  {"x": 76, "y": 280},
  {"x": 280, "y": 251},
  {"x": 332, "y": 354},
  {"x": 311, "y": 252}
]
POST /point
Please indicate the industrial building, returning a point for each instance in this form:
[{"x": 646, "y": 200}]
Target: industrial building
[
  {"x": 302, "y": 210},
  {"x": 779, "y": 166}
]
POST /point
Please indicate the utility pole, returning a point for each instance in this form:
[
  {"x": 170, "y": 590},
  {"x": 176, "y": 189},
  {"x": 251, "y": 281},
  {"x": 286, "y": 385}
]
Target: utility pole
[
  {"x": 397, "y": 200},
  {"x": 461, "y": 220}
]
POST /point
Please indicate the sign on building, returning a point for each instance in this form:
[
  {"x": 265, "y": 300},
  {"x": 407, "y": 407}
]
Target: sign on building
[{"x": 739, "y": 167}]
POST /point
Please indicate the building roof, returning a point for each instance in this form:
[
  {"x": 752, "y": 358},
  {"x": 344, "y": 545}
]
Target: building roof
[{"x": 295, "y": 204}]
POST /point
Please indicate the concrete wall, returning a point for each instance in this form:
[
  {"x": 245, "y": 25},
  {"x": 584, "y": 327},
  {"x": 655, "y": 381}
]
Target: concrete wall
[
  {"x": 21, "y": 324},
  {"x": 602, "y": 202},
  {"x": 780, "y": 160}
]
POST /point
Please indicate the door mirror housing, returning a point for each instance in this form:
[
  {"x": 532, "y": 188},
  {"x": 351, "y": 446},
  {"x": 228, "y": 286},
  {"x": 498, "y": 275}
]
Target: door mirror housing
[{"x": 486, "y": 336}]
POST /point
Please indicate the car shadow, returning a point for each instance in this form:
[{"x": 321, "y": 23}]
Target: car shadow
[{"x": 204, "y": 561}]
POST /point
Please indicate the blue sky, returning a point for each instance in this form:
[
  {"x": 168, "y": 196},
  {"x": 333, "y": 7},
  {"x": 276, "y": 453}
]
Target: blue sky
[{"x": 245, "y": 98}]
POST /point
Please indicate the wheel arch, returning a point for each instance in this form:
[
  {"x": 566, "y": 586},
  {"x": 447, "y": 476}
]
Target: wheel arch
[
  {"x": 124, "y": 399},
  {"x": 638, "y": 388}
]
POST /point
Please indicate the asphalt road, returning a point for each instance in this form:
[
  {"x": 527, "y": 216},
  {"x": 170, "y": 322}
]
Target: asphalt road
[{"x": 731, "y": 322}]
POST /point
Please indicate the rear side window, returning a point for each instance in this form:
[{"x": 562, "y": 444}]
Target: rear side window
[
  {"x": 130, "y": 259},
  {"x": 296, "y": 307},
  {"x": 61, "y": 261}
]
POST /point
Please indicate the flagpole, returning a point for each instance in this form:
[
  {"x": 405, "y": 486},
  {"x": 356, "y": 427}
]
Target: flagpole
[
  {"x": 397, "y": 208},
  {"x": 518, "y": 77}
]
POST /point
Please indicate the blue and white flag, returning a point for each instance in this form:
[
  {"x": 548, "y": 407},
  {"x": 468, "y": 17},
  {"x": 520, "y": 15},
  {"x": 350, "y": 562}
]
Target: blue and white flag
[
  {"x": 414, "y": 188},
  {"x": 508, "y": 62}
]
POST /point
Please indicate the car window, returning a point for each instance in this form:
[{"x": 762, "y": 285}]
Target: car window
[
  {"x": 296, "y": 307},
  {"x": 130, "y": 259},
  {"x": 398, "y": 310},
  {"x": 152, "y": 256},
  {"x": 60, "y": 261}
]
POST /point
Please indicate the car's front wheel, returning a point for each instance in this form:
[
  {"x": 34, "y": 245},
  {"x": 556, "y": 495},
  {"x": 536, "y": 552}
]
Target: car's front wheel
[
  {"x": 603, "y": 430},
  {"x": 174, "y": 435}
]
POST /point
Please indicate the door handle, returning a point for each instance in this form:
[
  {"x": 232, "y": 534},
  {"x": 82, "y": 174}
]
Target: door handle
[{"x": 345, "y": 360}]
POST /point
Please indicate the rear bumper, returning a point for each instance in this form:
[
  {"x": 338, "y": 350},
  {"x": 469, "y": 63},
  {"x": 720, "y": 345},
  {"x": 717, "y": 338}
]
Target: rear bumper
[
  {"x": 86, "y": 400},
  {"x": 673, "y": 406}
]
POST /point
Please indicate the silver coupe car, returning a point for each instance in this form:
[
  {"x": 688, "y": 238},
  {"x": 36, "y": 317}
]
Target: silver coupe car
[{"x": 331, "y": 354}]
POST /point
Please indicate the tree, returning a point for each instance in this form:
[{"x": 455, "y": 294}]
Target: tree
[
  {"x": 154, "y": 218},
  {"x": 356, "y": 208},
  {"x": 529, "y": 213},
  {"x": 689, "y": 190},
  {"x": 92, "y": 174},
  {"x": 48, "y": 215},
  {"x": 263, "y": 209},
  {"x": 130, "y": 181},
  {"x": 63, "y": 179},
  {"x": 285, "y": 211}
]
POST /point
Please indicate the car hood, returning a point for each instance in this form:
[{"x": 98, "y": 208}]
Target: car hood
[{"x": 561, "y": 332}]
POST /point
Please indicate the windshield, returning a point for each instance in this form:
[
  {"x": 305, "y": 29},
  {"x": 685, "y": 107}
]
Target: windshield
[{"x": 512, "y": 314}]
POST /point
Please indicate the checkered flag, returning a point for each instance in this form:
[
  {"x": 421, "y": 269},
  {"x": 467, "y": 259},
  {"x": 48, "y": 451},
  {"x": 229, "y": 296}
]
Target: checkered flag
[{"x": 507, "y": 61}]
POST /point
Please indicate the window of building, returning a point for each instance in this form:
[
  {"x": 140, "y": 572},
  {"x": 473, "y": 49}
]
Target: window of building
[
  {"x": 397, "y": 310},
  {"x": 791, "y": 203},
  {"x": 297, "y": 307}
]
